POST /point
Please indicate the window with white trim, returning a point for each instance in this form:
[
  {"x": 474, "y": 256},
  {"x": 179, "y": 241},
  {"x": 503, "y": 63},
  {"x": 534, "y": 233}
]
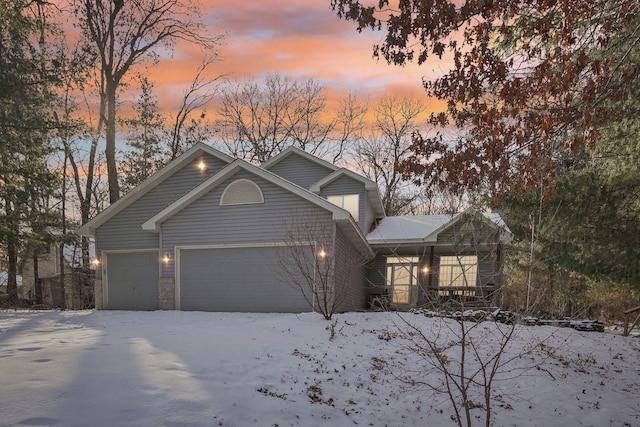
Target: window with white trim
[
  {"x": 402, "y": 279},
  {"x": 349, "y": 202},
  {"x": 459, "y": 271},
  {"x": 241, "y": 192}
]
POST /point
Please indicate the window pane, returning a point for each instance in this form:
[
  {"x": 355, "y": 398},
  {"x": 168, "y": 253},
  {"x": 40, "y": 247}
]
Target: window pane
[
  {"x": 241, "y": 192},
  {"x": 403, "y": 260},
  {"x": 402, "y": 278},
  {"x": 458, "y": 271},
  {"x": 336, "y": 200},
  {"x": 401, "y": 275},
  {"x": 351, "y": 204},
  {"x": 400, "y": 294}
]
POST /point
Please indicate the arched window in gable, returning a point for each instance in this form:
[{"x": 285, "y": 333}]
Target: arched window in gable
[{"x": 241, "y": 192}]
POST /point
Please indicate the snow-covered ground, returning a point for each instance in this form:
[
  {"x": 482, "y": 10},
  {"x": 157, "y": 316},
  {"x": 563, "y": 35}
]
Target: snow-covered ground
[{"x": 206, "y": 369}]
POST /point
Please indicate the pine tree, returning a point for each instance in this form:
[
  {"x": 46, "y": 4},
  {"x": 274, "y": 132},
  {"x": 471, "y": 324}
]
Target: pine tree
[
  {"x": 144, "y": 155},
  {"x": 26, "y": 119}
]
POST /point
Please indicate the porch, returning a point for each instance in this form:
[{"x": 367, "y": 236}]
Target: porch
[{"x": 458, "y": 296}]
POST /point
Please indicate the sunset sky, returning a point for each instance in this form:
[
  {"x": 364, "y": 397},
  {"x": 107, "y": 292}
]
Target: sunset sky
[{"x": 298, "y": 39}]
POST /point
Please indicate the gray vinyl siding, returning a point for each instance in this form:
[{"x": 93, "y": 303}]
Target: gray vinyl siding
[
  {"x": 376, "y": 271},
  {"x": 205, "y": 222},
  {"x": 475, "y": 235},
  {"x": 345, "y": 186},
  {"x": 124, "y": 231},
  {"x": 369, "y": 217},
  {"x": 349, "y": 275},
  {"x": 300, "y": 171},
  {"x": 480, "y": 240}
]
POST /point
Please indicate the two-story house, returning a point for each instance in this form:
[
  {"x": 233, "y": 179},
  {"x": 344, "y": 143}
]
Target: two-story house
[{"x": 208, "y": 232}]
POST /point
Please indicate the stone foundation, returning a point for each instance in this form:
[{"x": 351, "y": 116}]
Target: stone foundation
[
  {"x": 98, "y": 294},
  {"x": 166, "y": 293}
]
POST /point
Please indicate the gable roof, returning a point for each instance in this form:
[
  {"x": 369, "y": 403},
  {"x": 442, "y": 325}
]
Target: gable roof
[
  {"x": 339, "y": 214},
  {"x": 370, "y": 187},
  {"x": 174, "y": 166},
  {"x": 420, "y": 229},
  {"x": 291, "y": 150}
]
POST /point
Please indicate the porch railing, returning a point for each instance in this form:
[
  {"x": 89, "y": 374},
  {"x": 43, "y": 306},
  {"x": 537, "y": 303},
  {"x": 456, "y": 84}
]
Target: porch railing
[
  {"x": 468, "y": 295},
  {"x": 628, "y": 324}
]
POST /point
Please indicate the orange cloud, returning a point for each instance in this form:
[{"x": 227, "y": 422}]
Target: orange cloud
[
  {"x": 294, "y": 38},
  {"x": 301, "y": 38}
]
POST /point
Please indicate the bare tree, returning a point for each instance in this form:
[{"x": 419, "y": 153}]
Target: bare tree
[
  {"x": 462, "y": 360},
  {"x": 317, "y": 260},
  {"x": 461, "y": 356},
  {"x": 380, "y": 155},
  {"x": 259, "y": 120},
  {"x": 201, "y": 92},
  {"x": 122, "y": 34}
]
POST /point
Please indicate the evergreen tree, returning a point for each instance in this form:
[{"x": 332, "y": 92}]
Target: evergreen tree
[
  {"x": 144, "y": 155},
  {"x": 26, "y": 119}
]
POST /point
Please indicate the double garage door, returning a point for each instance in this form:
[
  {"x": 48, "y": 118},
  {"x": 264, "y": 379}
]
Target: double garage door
[{"x": 245, "y": 279}]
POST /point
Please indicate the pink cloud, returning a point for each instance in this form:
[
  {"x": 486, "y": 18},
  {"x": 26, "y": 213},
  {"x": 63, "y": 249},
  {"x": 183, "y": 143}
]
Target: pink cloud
[
  {"x": 295, "y": 38},
  {"x": 302, "y": 38}
]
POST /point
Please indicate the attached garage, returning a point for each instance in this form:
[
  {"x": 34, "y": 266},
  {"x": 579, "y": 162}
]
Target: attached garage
[
  {"x": 243, "y": 279},
  {"x": 132, "y": 280}
]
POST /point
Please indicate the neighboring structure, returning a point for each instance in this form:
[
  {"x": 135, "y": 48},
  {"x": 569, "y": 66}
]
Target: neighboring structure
[
  {"x": 78, "y": 281},
  {"x": 207, "y": 232},
  {"x": 4, "y": 279}
]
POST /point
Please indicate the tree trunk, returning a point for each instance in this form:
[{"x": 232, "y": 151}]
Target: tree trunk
[
  {"x": 63, "y": 215},
  {"x": 12, "y": 254},
  {"x": 110, "y": 150},
  {"x": 63, "y": 291},
  {"x": 37, "y": 283},
  {"x": 12, "y": 282}
]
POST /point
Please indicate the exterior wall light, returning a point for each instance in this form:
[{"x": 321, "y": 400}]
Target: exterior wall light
[
  {"x": 166, "y": 259},
  {"x": 425, "y": 269},
  {"x": 322, "y": 254},
  {"x": 202, "y": 165},
  {"x": 96, "y": 262}
]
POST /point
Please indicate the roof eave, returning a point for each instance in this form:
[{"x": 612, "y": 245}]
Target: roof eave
[
  {"x": 295, "y": 150},
  {"x": 368, "y": 251},
  {"x": 89, "y": 228},
  {"x": 153, "y": 224}
]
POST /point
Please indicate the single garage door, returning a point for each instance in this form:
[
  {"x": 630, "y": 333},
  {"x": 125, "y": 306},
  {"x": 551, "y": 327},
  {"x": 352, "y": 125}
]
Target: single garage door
[
  {"x": 243, "y": 279},
  {"x": 132, "y": 280}
]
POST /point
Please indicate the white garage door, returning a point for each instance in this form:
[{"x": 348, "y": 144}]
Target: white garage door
[
  {"x": 132, "y": 280},
  {"x": 246, "y": 279}
]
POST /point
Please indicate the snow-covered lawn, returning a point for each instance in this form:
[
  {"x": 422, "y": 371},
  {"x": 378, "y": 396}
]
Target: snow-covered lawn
[{"x": 205, "y": 369}]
